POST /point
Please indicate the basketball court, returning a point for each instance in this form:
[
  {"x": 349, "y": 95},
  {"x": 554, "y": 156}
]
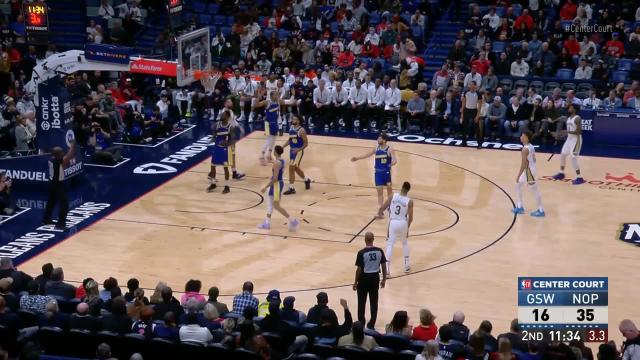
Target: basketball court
[{"x": 467, "y": 248}]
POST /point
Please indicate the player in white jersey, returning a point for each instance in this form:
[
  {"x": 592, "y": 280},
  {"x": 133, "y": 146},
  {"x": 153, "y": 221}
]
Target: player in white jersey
[
  {"x": 400, "y": 208},
  {"x": 572, "y": 146},
  {"x": 527, "y": 174}
]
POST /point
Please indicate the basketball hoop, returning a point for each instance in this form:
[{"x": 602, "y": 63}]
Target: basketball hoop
[{"x": 208, "y": 78}]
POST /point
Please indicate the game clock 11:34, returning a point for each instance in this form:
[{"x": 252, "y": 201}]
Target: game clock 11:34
[{"x": 565, "y": 335}]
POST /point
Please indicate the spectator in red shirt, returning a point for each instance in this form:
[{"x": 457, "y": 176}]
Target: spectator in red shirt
[
  {"x": 572, "y": 45},
  {"x": 346, "y": 59},
  {"x": 614, "y": 47},
  {"x": 427, "y": 330},
  {"x": 569, "y": 10},
  {"x": 525, "y": 19},
  {"x": 370, "y": 50},
  {"x": 481, "y": 64}
]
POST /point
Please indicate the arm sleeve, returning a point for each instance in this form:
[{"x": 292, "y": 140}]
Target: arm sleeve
[{"x": 413, "y": 70}]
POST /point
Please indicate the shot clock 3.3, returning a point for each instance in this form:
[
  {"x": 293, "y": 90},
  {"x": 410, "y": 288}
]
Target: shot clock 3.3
[{"x": 563, "y": 308}]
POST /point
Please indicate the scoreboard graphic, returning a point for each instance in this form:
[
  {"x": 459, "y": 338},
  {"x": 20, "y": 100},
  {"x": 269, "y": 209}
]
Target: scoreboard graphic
[{"x": 563, "y": 308}]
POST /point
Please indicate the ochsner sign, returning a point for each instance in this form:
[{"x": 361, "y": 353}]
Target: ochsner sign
[{"x": 154, "y": 67}]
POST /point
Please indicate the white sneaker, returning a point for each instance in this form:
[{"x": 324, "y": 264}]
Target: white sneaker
[
  {"x": 407, "y": 269},
  {"x": 293, "y": 225},
  {"x": 264, "y": 226}
]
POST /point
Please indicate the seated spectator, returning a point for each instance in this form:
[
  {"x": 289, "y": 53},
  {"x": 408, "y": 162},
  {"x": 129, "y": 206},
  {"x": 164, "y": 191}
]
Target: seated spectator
[
  {"x": 476, "y": 349},
  {"x": 503, "y": 66},
  {"x": 211, "y": 318},
  {"x": 92, "y": 298},
  {"x": 11, "y": 300},
  {"x": 249, "y": 340},
  {"x": 154, "y": 125},
  {"x": 484, "y": 331},
  {"x": 495, "y": 118},
  {"x": 57, "y": 288},
  {"x": 399, "y": 325},
  {"x": 117, "y": 321},
  {"x": 441, "y": 78},
  {"x": 213, "y": 299},
  {"x": 631, "y": 344},
  {"x": 427, "y": 329},
  {"x": 631, "y": 92},
  {"x": 584, "y": 71},
  {"x": 168, "y": 304},
  {"x": 415, "y": 112},
  {"x": 168, "y": 329},
  {"x": 434, "y": 111},
  {"x": 516, "y": 117},
  {"x": 101, "y": 147},
  {"x": 245, "y": 299},
  {"x": 107, "y": 286},
  {"x": 460, "y": 332},
  {"x": 8, "y": 319},
  {"x": 634, "y": 102},
  {"x": 519, "y": 68},
  {"x": 614, "y": 48},
  {"x": 105, "y": 11},
  {"x": 313, "y": 315},
  {"x": 24, "y": 135},
  {"x": 328, "y": 330},
  {"x": 144, "y": 325},
  {"x": 449, "y": 349},
  {"x": 430, "y": 351},
  {"x": 52, "y": 316},
  {"x": 504, "y": 349},
  {"x": 452, "y": 112},
  {"x": 592, "y": 101},
  {"x": 34, "y": 301},
  {"x": 358, "y": 338},
  {"x": 192, "y": 331},
  {"x": 192, "y": 290},
  {"x": 7, "y": 206},
  {"x": 42, "y": 279},
  {"x": 474, "y": 76},
  {"x": 289, "y": 313},
  {"x": 82, "y": 320},
  {"x": 138, "y": 304},
  {"x": 515, "y": 337},
  {"x": 132, "y": 285},
  {"x": 272, "y": 296}
]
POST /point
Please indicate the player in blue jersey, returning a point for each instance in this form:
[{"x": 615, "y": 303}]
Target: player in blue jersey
[
  {"x": 298, "y": 142},
  {"x": 271, "y": 119},
  {"x": 275, "y": 186},
  {"x": 384, "y": 159},
  {"x": 221, "y": 154}
]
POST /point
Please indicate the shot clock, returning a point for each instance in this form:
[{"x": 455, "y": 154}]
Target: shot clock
[
  {"x": 36, "y": 22},
  {"x": 563, "y": 308}
]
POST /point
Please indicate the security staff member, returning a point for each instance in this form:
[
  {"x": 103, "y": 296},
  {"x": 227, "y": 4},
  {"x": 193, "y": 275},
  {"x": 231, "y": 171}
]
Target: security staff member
[
  {"x": 470, "y": 114},
  {"x": 58, "y": 161},
  {"x": 369, "y": 261}
]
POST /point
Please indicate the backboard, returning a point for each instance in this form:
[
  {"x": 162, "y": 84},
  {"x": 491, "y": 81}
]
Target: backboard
[{"x": 194, "y": 54}]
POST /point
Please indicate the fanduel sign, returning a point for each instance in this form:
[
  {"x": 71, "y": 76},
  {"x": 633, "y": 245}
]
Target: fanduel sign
[
  {"x": 32, "y": 170},
  {"x": 169, "y": 164},
  {"x": 53, "y": 115}
]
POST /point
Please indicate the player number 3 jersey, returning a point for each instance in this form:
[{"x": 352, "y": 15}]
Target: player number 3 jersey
[{"x": 399, "y": 207}]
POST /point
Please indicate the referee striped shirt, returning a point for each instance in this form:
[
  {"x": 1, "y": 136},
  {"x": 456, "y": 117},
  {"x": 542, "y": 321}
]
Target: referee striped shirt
[{"x": 369, "y": 259}]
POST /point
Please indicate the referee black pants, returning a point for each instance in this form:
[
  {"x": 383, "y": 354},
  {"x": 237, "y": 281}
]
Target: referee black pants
[
  {"x": 57, "y": 195},
  {"x": 470, "y": 127},
  {"x": 368, "y": 285}
]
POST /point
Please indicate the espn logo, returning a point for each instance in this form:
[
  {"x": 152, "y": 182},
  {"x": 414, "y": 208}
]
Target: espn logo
[
  {"x": 526, "y": 284},
  {"x": 630, "y": 232}
]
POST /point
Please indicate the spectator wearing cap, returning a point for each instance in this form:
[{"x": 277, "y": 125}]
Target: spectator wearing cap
[
  {"x": 245, "y": 299},
  {"x": 631, "y": 344},
  {"x": 213, "y": 299},
  {"x": 263, "y": 307}
]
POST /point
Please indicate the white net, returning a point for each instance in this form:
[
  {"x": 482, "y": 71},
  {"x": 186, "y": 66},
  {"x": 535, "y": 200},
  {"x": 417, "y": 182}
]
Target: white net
[{"x": 209, "y": 79}]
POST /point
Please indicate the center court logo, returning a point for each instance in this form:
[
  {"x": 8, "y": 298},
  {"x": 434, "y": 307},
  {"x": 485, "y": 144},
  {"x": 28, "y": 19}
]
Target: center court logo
[
  {"x": 628, "y": 182},
  {"x": 526, "y": 284}
]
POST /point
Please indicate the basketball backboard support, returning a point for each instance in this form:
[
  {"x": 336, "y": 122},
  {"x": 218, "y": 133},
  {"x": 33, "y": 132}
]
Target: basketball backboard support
[{"x": 194, "y": 54}]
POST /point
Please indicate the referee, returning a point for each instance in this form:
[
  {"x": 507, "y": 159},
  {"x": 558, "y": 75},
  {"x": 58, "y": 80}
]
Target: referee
[
  {"x": 470, "y": 114},
  {"x": 369, "y": 262},
  {"x": 57, "y": 195}
]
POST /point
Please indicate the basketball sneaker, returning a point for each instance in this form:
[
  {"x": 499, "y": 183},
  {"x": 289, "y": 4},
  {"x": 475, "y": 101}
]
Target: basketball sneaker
[
  {"x": 578, "y": 181},
  {"x": 307, "y": 184},
  {"x": 558, "y": 176},
  {"x": 226, "y": 190},
  {"x": 264, "y": 226},
  {"x": 538, "y": 213},
  {"x": 517, "y": 210},
  {"x": 237, "y": 175},
  {"x": 293, "y": 224},
  {"x": 211, "y": 187},
  {"x": 407, "y": 269},
  {"x": 290, "y": 191}
]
